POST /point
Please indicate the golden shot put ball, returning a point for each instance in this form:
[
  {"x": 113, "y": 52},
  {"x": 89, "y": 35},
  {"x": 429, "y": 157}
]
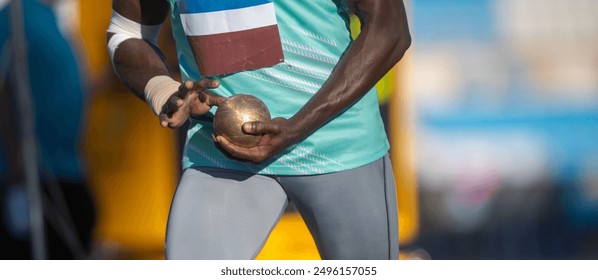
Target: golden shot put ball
[{"x": 233, "y": 113}]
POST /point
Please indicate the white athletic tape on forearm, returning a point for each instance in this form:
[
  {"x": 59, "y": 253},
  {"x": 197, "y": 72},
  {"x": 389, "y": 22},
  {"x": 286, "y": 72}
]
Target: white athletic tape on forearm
[
  {"x": 124, "y": 29},
  {"x": 114, "y": 41},
  {"x": 158, "y": 90}
]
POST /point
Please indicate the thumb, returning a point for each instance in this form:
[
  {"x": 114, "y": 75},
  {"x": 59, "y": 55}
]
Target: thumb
[{"x": 257, "y": 127}]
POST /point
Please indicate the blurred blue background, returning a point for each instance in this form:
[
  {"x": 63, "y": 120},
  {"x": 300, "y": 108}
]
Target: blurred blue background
[{"x": 506, "y": 101}]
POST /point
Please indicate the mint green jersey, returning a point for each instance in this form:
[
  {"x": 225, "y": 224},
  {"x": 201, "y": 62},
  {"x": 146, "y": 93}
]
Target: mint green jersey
[{"x": 314, "y": 35}]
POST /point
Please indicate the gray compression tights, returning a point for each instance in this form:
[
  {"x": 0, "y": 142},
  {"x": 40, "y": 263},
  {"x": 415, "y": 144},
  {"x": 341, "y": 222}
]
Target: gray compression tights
[{"x": 222, "y": 214}]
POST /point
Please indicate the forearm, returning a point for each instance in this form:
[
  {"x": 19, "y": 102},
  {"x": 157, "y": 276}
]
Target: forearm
[
  {"x": 381, "y": 44},
  {"x": 136, "y": 62}
]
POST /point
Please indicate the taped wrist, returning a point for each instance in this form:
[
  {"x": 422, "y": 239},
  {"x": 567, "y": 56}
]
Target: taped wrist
[
  {"x": 124, "y": 29},
  {"x": 157, "y": 91}
]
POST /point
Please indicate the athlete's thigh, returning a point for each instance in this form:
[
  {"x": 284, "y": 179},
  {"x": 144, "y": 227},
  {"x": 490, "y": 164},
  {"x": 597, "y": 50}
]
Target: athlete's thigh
[
  {"x": 220, "y": 214},
  {"x": 351, "y": 214}
]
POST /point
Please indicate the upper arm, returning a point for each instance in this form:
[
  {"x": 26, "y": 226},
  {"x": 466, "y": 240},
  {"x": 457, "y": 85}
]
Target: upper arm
[
  {"x": 132, "y": 41},
  {"x": 146, "y": 12}
]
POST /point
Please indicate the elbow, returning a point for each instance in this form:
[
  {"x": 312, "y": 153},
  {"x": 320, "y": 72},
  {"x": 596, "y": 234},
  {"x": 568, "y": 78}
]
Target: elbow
[
  {"x": 403, "y": 45},
  {"x": 401, "y": 41},
  {"x": 391, "y": 27},
  {"x": 392, "y": 39},
  {"x": 405, "y": 42}
]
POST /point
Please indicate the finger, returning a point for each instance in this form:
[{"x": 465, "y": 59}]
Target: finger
[
  {"x": 251, "y": 154},
  {"x": 172, "y": 105},
  {"x": 212, "y": 99},
  {"x": 234, "y": 150},
  {"x": 163, "y": 120},
  {"x": 173, "y": 122},
  {"x": 189, "y": 85},
  {"x": 167, "y": 121},
  {"x": 192, "y": 95},
  {"x": 201, "y": 85},
  {"x": 184, "y": 89},
  {"x": 206, "y": 84},
  {"x": 257, "y": 127}
]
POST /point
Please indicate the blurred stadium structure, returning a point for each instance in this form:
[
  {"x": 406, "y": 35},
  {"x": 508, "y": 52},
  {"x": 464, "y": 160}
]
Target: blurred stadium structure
[
  {"x": 506, "y": 98},
  {"x": 494, "y": 111}
]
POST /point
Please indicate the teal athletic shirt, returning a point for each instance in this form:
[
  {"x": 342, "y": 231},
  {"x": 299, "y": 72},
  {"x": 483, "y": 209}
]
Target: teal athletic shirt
[{"x": 314, "y": 35}]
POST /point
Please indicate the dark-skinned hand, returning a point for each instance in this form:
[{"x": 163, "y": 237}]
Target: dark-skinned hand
[
  {"x": 192, "y": 99},
  {"x": 277, "y": 135}
]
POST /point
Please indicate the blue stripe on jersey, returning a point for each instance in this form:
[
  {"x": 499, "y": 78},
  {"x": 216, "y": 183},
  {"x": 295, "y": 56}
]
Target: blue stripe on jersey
[{"x": 205, "y": 6}]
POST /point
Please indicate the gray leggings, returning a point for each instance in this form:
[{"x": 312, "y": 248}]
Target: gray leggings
[{"x": 223, "y": 214}]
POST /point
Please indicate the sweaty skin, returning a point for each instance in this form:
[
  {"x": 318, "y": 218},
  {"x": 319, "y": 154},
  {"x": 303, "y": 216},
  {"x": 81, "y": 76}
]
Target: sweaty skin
[{"x": 383, "y": 40}]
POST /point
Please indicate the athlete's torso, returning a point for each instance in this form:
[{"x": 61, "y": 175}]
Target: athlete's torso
[{"x": 314, "y": 35}]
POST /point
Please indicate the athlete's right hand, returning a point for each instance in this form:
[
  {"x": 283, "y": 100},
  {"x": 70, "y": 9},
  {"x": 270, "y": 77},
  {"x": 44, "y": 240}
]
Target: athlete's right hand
[{"x": 192, "y": 99}]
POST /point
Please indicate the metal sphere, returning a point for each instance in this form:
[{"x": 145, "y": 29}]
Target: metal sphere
[{"x": 233, "y": 113}]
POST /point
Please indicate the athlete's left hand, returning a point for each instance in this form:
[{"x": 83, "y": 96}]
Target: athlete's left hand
[{"x": 277, "y": 135}]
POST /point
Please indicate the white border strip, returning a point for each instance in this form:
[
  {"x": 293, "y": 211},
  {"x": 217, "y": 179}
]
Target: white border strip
[{"x": 228, "y": 21}]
